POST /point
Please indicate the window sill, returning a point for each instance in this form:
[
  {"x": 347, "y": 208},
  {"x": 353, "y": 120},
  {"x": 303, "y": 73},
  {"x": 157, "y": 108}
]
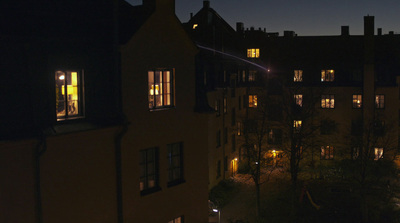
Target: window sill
[
  {"x": 161, "y": 108},
  {"x": 176, "y": 182},
  {"x": 150, "y": 190}
]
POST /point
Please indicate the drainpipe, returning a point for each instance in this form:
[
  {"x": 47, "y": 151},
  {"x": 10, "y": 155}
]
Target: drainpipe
[
  {"x": 118, "y": 167},
  {"x": 40, "y": 149}
]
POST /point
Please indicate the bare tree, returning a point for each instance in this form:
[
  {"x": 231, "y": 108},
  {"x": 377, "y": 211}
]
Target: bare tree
[{"x": 374, "y": 149}]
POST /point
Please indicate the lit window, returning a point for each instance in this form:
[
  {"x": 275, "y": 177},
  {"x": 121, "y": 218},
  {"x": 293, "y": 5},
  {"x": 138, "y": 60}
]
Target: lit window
[
  {"x": 252, "y": 101},
  {"x": 148, "y": 170},
  {"x": 239, "y": 128},
  {"x": 297, "y": 125},
  {"x": 195, "y": 26},
  {"x": 175, "y": 163},
  {"x": 177, "y": 220},
  {"x": 327, "y": 152},
  {"x": 161, "y": 90},
  {"x": 298, "y": 99},
  {"x": 379, "y": 101},
  {"x": 253, "y": 53},
  {"x": 298, "y": 76},
  {"x": 357, "y": 100},
  {"x": 328, "y": 101},
  {"x": 69, "y": 94},
  {"x": 327, "y": 75},
  {"x": 378, "y": 153},
  {"x": 252, "y": 76}
]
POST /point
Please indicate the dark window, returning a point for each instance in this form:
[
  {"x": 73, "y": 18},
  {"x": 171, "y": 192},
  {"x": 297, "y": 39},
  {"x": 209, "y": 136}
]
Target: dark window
[
  {"x": 149, "y": 171},
  {"x": 233, "y": 143},
  {"x": 225, "y": 163},
  {"x": 69, "y": 94},
  {"x": 225, "y": 135},
  {"x": 218, "y": 107},
  {"x": 218, "y": 139},
  {"x": 233, "y": 117},
  {"x": 327, "y": 127},
  {"x": 219, "y": 169},
  {"x": 175, "y": 163},
  {"x": 240, "y": 102},
  {"x": 356, "y": 127},
  {"x": 275, "y": 136}
]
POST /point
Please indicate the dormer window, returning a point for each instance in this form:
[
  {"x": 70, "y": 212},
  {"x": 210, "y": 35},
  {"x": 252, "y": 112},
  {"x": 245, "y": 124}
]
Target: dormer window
[{"x": 253, "y": 53}]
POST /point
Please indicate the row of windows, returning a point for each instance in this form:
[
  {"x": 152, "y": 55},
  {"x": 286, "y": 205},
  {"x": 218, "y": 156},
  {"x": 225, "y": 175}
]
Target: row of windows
[
  {"x": 327, "y": 153},
  {"x": 328, "y": 100},
  {"x": 149, "y": 167},
  {"x": 326, "y": 75},
  {"x": 70, "y": 96}
]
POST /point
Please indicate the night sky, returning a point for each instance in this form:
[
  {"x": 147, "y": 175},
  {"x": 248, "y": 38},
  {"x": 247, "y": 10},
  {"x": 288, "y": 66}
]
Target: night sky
[{"x": 305, "y": 17}]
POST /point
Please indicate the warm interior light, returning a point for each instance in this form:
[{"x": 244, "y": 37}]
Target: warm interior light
[
  {"x": 195, "y": 26},
  {"x": 236, "y": 159}
]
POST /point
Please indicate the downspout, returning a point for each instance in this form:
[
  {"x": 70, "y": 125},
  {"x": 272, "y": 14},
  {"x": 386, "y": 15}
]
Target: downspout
[
  {"x": 118, "y": 167},
  {"x": 40, "y": 149}
]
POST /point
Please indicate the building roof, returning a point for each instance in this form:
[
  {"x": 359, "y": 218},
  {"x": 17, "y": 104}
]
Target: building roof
[{"x": 131, "y": 18}]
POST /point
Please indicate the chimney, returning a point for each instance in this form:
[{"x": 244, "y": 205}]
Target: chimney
[
  {"x": 345, "y": 31},
  {"x": 369, "y": 28},
  {"x": 239, "y": 27},
  {"x": 165, "y": 5},
  {"x": 288, "y": 33},
  {"x": 391, "y": 33},
  {"x": 206, "y": 4},
  {"x": 379, "y": 31}
]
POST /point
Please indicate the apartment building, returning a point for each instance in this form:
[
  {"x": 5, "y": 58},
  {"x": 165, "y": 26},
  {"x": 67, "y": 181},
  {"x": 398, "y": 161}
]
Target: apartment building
[{"x": 353, "y": 80}]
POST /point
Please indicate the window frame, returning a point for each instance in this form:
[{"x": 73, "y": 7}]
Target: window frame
[
  {"x": 380, "y": 101},
  {"x": 297, "y": 124},
  {"x": 298, "y": 100},
  {"x": 253, "y": 53},
  {"x": 80, "y": 93},
  {"x": 163, "y": 87},
  {"x": 146, "y": 188},
  {"x": 252, "y": 99},
  {"x": 175, "y": 151},
  {"x": 357, "y": 101},
  {"x": 326, "y": 101},
  {"x": 327, "y": 75},
  {"x": 378, "y": 153},
  {"x": 327, "y": 152},
  {"x": 297, "y": 75}
]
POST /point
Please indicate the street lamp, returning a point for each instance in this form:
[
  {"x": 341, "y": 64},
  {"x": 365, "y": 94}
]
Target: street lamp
[{"x": 219, "y": 214}]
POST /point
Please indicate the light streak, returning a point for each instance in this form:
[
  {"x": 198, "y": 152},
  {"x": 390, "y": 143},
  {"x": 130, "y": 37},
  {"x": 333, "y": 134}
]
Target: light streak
[{"x": 233, "y": 56}]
